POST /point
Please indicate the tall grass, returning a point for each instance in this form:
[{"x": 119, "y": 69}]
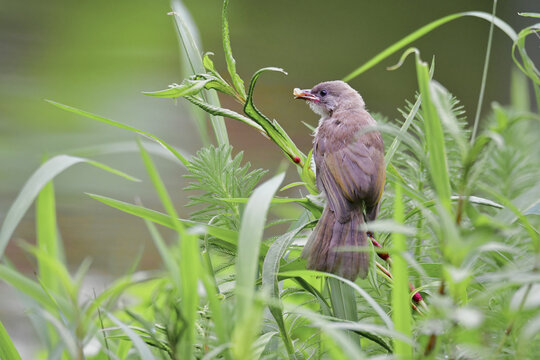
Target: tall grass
[{"x": 454, "y": 263}]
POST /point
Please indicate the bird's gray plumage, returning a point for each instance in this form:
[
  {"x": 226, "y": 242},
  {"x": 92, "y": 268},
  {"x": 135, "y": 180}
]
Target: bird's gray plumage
[{"x": 350, "y": 170}]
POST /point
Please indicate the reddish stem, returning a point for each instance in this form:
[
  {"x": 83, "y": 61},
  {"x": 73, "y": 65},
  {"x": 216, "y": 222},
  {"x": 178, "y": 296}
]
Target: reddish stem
[{"x": 416, "y": 297}]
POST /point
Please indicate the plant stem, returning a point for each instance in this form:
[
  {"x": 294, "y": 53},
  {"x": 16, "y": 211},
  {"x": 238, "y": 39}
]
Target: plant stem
[{"x": 484, "y": 75}]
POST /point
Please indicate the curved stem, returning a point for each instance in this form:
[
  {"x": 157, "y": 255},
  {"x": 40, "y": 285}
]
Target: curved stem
[{"x": 484, "y": 75}]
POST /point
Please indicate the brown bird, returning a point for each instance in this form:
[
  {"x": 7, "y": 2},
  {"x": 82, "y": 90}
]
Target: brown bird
[{"x": 350, "y": 170}]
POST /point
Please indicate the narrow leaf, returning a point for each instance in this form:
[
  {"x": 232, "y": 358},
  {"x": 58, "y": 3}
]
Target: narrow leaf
[
  {"x": 48, "y": 240},
  {"x": 142, "y": 349},
  {"x": 249, "y": 239},
  {"x": 438, "y": 166},
  {"x": 187, "y": 32},
  {"x": 7, "y": 349},
  {"x": 231, "y": 62},
  {"x": 401, "y": 308},
  {"x": 33, "y": 186},
  {"x": 121, "y": 126},
  {"x": 228, "y": 236},
  {"x": 407, "y": 40}
]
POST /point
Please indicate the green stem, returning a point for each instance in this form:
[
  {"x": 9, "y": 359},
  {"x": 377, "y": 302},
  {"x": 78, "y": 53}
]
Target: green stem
[{"x": 484, "y": 75}]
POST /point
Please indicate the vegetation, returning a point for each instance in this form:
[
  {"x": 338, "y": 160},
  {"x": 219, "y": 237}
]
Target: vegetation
[{"x": 455, "y": 267}]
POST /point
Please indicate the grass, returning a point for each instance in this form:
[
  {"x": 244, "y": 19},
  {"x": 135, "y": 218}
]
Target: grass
[{"x": 454, "y": 273}]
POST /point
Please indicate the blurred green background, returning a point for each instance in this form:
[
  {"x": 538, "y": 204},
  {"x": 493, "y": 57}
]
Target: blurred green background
[{"x": 99, "y": 55}]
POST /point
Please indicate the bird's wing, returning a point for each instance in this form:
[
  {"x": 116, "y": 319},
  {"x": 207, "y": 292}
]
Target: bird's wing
[{"x": 351, "y": 173}]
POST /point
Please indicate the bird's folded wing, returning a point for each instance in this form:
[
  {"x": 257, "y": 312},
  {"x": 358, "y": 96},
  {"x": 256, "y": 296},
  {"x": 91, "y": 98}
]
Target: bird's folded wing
[{"x": 348, "y": 175}]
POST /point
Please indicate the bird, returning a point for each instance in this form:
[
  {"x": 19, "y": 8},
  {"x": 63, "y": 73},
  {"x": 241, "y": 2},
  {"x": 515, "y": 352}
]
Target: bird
[{"x": 348, "y": 153}]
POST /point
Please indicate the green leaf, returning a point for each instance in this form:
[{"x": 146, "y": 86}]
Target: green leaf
[
  {"x": 48, "y": 240},
  {"x": 249, "y": 240},
  {"x": 438, "y": 167},
  {"x": 33, "y": 186},
  {"x": 247, "y": 311},
  {"x": 186, "y": 88},
  {"x": 193, "y": 86},
  {"x": 423, "y": 31},
  {"x": 369, "y": 300},
  {"x": 529, "y": 14},
  {"x": 401, "y": 305},
  {"x": 229, "y": 237},
  {"x": 190, "y": 262},
  {"x": 527, "y": 65},
  {"x": 187, "y": 33},
  {"x": 271, "y": 266},
  {"x": 231, "y": 62},
  {"x": 442, "y": 100},
  {"x": 26, "y": 286},
  {"x": 208, "y": 63},
  {"x": 272, "y": 128},
  {"x": 7, "y": 349},
  {"x": 121, "y": 126},
  {"x": 338, "y": 346},
  {"x": 343, "y": 302},
  {"x": 110, "y": 295},
  {"x": 166, "y": 255},
  {"x": 140, "y": 346},
  {"x": 309, "y": 176},
  {"x": 534, "y": 209},
  {"x": 214, "y": 110},
  {"x": 403, "y": 130}
]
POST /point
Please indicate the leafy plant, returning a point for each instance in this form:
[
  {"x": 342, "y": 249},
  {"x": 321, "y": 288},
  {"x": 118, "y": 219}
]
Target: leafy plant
[
  {"x": 219, "y": 178},
  {"x": 454, "y": 273}
]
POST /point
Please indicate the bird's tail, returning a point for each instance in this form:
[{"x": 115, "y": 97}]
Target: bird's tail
[{"x": 323, "y": 252}]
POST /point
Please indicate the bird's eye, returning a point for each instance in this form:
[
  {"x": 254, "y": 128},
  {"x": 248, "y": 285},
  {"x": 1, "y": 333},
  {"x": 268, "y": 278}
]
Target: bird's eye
[{"x": 323, "y": 92}]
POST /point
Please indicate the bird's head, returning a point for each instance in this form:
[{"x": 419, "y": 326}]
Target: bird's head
[{"x": 328, "y": 96}]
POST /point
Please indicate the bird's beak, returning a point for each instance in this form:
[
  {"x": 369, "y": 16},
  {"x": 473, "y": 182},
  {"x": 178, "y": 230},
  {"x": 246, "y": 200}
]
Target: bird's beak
[{"x": 304, "y": 94}]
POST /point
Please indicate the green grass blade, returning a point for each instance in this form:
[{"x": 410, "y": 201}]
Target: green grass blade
[
  {"x": 190, "y": 261},
  {"x": 187, "y": 31},
  {"x": 401, "y": 305},
  {"x": 529, "y": 14},
  {"x": 484, "y": 75},
  {"x": 228, "y": 237},
  {"x": 369, "y": 299},
  {"x": 121, "y": 126},
  {"x": 407, "y": 40},
  {"x": 442, "y": 101},
  {"x": 438, "y": 166},
  {"x": 249, "y": 241},
  {"x": 33, "y": 186},
  {"x": 343, "y": 303},
  {"x": 26, "y": 286},
  {"x": 519, "y": 91},
  {"x": 527, "y": 65},
  {"x": 397, "y": 140},
  {"x": 335, "y": 343},
  {"x": 110, "y": 295},
  {"x": 221, "y": 324},
  {"x": 166, "y": 256},
  {"x": 55, "y": 269},
  {"x": 271, "y": 266},
  {"x": 189, "y": 38},
  {"x": 65, "y": 335},
  {"x": 141, "y": 347},
  {"x": 48, "y": 240},
  {"x": 223, "y": 112},
  {"x": 231, "y": 62},
  {"x": 160, "y": 189},
  {"x": 7, "y": 349}
]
